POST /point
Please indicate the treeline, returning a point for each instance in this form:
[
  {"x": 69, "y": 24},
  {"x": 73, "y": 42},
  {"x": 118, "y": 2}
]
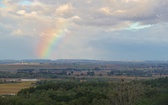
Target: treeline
[
  {"x": 29, "y": 75},
  {"x": 149, "y": 92},
  {"x": 140, "y": 73}
]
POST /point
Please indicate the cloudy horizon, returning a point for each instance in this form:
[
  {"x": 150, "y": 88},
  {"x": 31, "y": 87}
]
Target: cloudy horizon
[{"x": 84, "y": 29}]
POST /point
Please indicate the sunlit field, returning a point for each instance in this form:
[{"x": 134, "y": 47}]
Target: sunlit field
[{"x": 13, "y": 88}]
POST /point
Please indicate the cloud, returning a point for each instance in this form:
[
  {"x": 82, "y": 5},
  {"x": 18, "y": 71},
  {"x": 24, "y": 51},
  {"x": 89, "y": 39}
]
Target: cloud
[
  {"x": 105, "y": 10},
  {"x": 63, "y": 9},
  {"x": 22, "y": 12},
  {"x": 110, "y": 13},
  {"x": 17, "y": 32}
]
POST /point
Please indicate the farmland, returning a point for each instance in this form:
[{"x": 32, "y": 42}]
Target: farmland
[
  {"x": 76, "y": 70},
  {"x": 83, "y": 83},
  {"x": 13, "y": 88}
]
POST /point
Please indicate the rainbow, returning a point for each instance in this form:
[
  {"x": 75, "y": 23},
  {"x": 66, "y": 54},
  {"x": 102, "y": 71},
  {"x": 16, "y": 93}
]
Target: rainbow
[{"x": 49, "y": 41}]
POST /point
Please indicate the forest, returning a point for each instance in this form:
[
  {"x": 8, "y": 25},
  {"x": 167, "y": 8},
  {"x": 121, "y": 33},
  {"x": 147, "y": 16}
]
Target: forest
[{"x": 92, "y": 92}]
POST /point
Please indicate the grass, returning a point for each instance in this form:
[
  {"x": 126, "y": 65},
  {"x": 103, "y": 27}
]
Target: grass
[{"x": 13, "y": 88}]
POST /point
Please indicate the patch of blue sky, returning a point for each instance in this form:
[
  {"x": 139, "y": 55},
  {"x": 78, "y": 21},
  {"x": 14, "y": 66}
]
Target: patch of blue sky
[
  {"x": 1, "y": 4},
  {"x": 137, "y": 26},
  {"x": 25, "y": 2}
]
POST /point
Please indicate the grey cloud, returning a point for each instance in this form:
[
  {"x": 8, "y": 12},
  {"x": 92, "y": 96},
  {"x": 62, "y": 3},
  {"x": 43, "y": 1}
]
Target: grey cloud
[
  {"x": 150, "y": 12},
  {"x": 121, "y": 13},
  {"x": 145, "y": 12}
]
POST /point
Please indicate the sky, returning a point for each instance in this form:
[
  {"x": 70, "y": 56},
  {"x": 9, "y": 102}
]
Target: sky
[{"x": 84, "y": 29}]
